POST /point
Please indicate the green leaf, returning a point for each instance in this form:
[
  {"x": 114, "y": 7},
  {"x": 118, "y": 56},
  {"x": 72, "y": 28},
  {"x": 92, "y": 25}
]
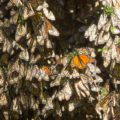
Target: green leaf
[
  {"x": 73, "y": 53},
  {"x": 112, "y": 29},
  {"x": 7, "y": 92},
  {"x": 104, "y": 92},
  {"x": 109, "y": 10},
  {"x": 102, "y": 49},
  {"x": 118, "y": 40},
  {"x": 99, "y": 50}
]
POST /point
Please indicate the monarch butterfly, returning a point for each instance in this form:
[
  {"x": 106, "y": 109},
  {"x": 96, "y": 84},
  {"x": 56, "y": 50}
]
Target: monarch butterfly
[
  {"x": 91, "y": 33},
  {"x": 65, "y": 93},
  {"x": 21, "y": 31},
  {"x": 46, "y": 69},
  {"x": 116, "y": 70},
  {"x": 81, "y": 87},
  {"x": 16, "y": 3},
  {"x": 104, "y": 103},
  {"x": 3, "y": 99},
  {"x": 28, "y": 11},
  {"x": 1, "y": 77},
  {"x": 49, "y": 14},
  {"x": 50, "y": 28},
  {"x": 36, "y": 3},
  {"x": 24, "y": 55},
  {"x": 106, "y": 100},
  {"x": 102, "y": 21},
  {"x": 81, "y": 61}
]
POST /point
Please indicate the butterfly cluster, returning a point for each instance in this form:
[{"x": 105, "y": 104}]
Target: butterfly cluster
[
  {"x": 106, "y": 34},
  {"x": 24, "y": 38},
  {"x": 39, "y": 79}
]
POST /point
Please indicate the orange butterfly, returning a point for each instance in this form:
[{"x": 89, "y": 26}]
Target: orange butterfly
[
  {"x": 48, "y": 71},
  {"x": 81, "y": 61}
]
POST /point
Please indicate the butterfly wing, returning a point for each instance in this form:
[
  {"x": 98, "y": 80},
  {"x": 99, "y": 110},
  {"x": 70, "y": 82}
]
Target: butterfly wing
[
  {"x": 46, "y": 69},
  {"x": 81, "y": 61}
]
